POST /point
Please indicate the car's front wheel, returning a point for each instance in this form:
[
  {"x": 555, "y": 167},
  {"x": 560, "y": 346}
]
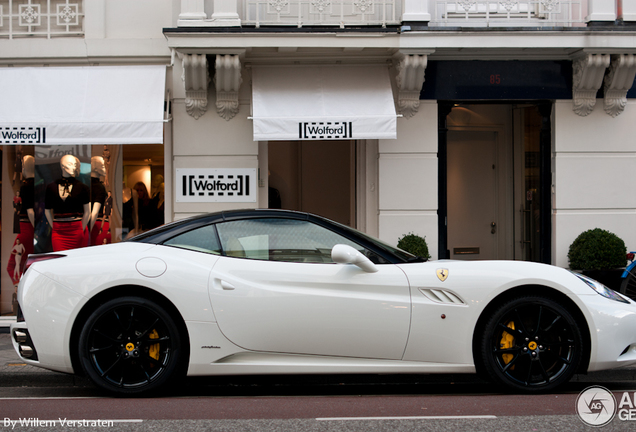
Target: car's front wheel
[
  {"x": 531, "y": 344},
  {"x": 130, "y": 345}
]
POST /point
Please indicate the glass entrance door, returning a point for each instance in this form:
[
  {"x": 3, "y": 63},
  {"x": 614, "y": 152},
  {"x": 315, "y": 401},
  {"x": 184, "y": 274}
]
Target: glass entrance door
[
  {"x": 528, "y": 191},
  {"x": 496, "y": 164}
]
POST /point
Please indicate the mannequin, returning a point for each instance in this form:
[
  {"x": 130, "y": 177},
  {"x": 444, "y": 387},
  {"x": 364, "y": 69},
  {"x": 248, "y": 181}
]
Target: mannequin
[
  {"x": 27, "y": 213},
  {"x": 78, "y": 167},
  {"x": 98, "y": 197},
  {"x": 103, "y": 233},
  {"x": 67, "y": 207},
  {"x": 28, "y": 172},
  {"x": 156, "y": 185},
  {"x": 106, "y": 156},
  {"x": 18, "y": 165},
  {"x": 23, "y": 244}
]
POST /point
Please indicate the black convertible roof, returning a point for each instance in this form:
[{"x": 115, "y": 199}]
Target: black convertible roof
[{"x": 169, "y": 230}]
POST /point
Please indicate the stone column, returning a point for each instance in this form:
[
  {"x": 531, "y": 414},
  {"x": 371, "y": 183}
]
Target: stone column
[
  {"x": 601, "y": 11},
  {"x": 225, "y": 14},
  {"x": 627, "y": 10},
  {"x": 416, "y": 11},
  {"x": 95, "y": 19},
  {"x": 192, "y": 12}
]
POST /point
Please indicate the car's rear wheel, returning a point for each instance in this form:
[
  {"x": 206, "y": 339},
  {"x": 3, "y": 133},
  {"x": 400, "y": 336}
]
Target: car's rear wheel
[
  {"x": 531, "y": 344},
  {"x": 130, "y": 345}
]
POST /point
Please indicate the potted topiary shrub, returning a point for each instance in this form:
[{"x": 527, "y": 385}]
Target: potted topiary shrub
[
  {"x": 600, "y": 255},
  {"x": 414, "y": 244}
]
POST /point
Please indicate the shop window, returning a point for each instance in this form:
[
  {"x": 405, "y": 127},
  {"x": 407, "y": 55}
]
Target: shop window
[{"x": 56, "y": 198}]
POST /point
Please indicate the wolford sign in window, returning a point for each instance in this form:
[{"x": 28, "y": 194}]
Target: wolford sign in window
[{"x": 216, "y": 185}]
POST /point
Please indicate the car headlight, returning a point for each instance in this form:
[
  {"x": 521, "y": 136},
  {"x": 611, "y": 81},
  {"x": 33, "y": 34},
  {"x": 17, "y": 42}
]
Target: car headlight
[{"x": 602, "y": 289}]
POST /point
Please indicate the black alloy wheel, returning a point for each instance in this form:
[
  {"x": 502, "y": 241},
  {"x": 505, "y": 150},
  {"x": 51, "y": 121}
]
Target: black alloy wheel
[
  {"x": 531, "y": 344},
  {"x": 130, "y": 345}
]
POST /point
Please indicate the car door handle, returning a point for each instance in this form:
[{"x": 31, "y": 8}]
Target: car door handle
[{"x": 226, "y": 285}]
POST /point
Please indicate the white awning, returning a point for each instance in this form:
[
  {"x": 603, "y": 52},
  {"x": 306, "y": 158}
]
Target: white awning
[
  {"x": 322, "y": 103},
  {"x": 82, "y": 105}
]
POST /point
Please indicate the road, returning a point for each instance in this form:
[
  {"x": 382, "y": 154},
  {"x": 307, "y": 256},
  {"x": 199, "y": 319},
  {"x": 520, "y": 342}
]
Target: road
[{"x": 32, "y": 399}]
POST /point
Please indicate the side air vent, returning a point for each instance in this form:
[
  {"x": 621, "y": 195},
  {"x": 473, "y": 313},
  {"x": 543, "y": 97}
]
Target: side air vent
[{"x": 441, "y": 296}]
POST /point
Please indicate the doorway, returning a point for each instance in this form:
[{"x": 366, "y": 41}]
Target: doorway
[
  {"x": 315, "y": 177},
  {"x": 497, "y": 177}
]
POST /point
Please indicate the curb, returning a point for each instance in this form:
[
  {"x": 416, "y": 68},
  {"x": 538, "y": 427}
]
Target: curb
[{"x": 5, "y": 323}]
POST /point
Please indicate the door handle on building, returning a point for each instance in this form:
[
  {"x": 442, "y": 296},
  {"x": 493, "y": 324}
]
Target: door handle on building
[{"x": 493, "y": 228}]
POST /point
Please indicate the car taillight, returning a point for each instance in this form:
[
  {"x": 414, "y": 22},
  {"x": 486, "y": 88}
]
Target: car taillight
[{"x": 32, "y": 259}]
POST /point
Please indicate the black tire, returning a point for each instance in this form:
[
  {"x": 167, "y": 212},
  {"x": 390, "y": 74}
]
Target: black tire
[
  {"x": 628, "y": 286},
  {"x": 130, "y": 345},
  {"x": 543, "y": 350}
]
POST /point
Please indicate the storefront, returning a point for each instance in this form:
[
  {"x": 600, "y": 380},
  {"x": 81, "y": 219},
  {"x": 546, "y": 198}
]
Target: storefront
[
  {"x": 380, "y": 130},
  {"x": 82, "y": 159}
]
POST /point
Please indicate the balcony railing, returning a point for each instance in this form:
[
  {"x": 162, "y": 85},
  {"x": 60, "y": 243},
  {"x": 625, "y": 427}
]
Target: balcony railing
[
  {"x": 41, "y": 18},
  {"x": 502, "y": 13},
  {"x": 321, "y": 12}
]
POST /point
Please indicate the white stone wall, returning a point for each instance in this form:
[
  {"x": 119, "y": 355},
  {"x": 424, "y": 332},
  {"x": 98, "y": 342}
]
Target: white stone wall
[
  {"x": 594, "y": 170},
  {"x": 121, "y": 31},
  {"x": 408, "y": 179},
  {"x": 211, "y": 142}
]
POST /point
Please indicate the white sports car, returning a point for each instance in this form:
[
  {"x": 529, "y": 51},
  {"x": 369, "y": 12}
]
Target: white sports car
[{"x": 281, "y": 292}]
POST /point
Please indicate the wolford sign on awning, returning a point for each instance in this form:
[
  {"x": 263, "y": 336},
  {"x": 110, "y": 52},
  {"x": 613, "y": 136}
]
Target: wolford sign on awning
[
  {"x": 322, "y": 103},
  {"x": 82, "y": 105}
]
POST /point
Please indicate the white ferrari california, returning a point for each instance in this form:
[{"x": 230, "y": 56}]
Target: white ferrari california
[{"x": 281, "y": 292}]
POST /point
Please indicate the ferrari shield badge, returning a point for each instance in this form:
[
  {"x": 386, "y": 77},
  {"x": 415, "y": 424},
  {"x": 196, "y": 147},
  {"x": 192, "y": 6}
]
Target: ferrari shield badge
[{"x": 442, "y": 274}]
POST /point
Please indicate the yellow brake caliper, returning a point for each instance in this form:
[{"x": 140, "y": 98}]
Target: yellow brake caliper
[
  {"x": 153, "y": 351},
  {"x": 507, "y": 341}
]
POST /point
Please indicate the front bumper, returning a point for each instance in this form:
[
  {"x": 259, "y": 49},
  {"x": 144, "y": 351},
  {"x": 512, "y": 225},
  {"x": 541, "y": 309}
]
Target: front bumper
[{"x": 612, "y": 331}]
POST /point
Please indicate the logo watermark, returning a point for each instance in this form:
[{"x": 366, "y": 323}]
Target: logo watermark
[
  {"x": 597, "y": 406},
  {"x": 34, "y": 422}
]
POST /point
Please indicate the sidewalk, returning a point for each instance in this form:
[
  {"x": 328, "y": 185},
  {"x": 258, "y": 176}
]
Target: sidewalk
[
  {"x": 5, "y": 323},
  {"x": 15, "y": 373}
]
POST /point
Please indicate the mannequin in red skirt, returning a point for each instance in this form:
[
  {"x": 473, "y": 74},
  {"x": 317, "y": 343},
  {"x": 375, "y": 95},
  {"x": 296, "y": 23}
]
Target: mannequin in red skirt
[{"x": 67, "y": 207}]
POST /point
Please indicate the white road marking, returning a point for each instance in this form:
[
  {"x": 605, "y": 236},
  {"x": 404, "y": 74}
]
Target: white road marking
[{"x": 409, "y": 418}]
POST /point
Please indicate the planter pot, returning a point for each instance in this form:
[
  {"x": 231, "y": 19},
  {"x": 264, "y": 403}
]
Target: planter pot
[{"x": 609, "y": 278}]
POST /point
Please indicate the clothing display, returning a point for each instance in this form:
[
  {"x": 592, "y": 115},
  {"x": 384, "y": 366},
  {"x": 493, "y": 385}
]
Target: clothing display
[
  {"x": 98, "y": 195},
  {"x": 75, "y": 193},
  {"x": 67, "y": 235},
  {"x": 66, "y": 197},
  {"x": 27, "y": 194},
  {"x": 23, "y": 243}
]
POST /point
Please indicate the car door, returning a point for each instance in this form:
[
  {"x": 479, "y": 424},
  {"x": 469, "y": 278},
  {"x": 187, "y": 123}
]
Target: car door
[{"x": 277, "y": 290}]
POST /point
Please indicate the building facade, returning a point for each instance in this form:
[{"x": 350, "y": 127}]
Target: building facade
[{"x": 497, "y": 129}]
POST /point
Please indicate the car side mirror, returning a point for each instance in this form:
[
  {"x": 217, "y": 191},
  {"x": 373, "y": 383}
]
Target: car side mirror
[{"x": 343, "y": 254}]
